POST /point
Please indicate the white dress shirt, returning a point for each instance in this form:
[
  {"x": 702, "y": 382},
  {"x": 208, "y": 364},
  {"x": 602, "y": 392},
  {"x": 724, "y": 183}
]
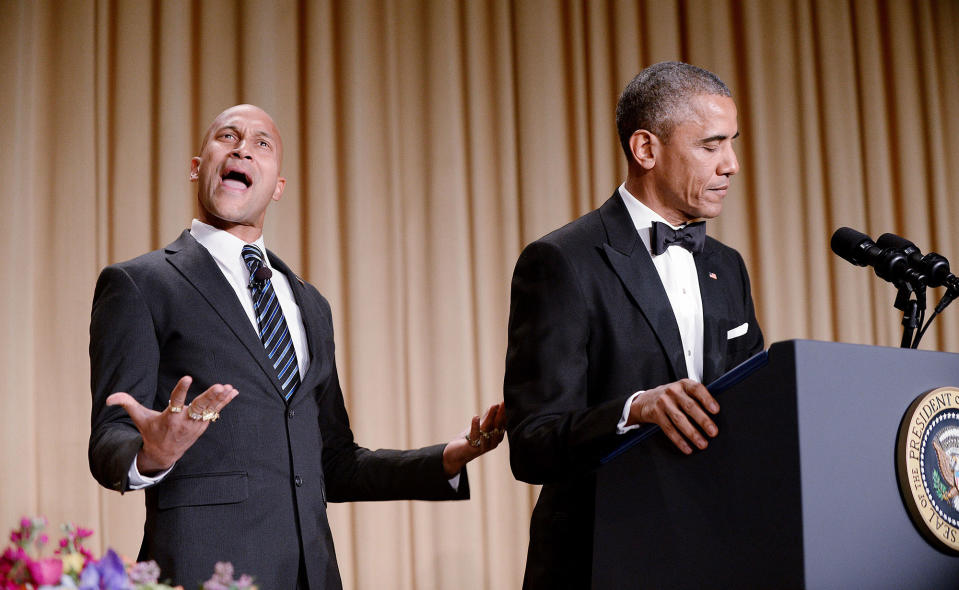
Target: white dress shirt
[
  {"x": 226, "y": 250},
  {"x": 677, "y": 271}
]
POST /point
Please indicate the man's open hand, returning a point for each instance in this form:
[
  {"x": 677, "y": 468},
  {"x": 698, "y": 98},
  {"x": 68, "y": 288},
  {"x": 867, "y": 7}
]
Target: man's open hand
[{"x": 168, "y": 434}]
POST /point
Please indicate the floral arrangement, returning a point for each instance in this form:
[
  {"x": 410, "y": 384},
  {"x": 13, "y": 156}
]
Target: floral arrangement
[{"x": 73, "y": 566}]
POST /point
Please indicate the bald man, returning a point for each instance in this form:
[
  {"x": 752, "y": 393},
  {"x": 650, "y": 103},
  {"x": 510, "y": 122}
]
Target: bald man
[{"x": 215, "y": 389}]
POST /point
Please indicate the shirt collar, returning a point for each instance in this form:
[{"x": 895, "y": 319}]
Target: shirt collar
[
  {"x": 642, "y": 216},
  {"x": 224, "y": 246}
]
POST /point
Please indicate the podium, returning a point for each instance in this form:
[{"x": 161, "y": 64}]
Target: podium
[{"x": 799, "y": 490}]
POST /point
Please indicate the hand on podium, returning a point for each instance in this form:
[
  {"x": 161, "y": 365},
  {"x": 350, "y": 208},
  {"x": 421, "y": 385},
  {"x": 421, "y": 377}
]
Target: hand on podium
[{"x": 675, "y": 407}]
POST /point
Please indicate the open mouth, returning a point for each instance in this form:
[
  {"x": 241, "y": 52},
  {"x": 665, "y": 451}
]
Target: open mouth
[{"x": 236, "y": 179}]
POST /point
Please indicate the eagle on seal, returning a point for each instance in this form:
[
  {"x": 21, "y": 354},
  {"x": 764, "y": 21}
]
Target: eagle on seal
[{"x": 946, "y": 444}]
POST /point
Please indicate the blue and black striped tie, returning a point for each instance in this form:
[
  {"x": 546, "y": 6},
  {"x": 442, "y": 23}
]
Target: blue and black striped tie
[{"x": 273, "y": 329}]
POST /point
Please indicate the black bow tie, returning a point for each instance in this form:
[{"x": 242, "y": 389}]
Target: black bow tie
[{"x": 692, "y": 237}]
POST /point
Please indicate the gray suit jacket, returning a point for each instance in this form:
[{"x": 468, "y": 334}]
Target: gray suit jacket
[
  {"x": 253, "y": 489},
  {"x": 589, "y": 325}
]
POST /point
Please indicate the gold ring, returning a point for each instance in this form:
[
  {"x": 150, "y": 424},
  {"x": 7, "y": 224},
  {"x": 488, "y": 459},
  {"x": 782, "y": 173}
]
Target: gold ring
[
  {"x": 484, "y": 434},
  {"x": 175, "y": 409},
  {"x": 210, "y": 416},
  {"x": 193, "y": 414},
  {"x": 473, "y": 443}
]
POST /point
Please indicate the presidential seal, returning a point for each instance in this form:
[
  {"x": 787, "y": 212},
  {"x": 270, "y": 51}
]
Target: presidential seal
[{"x": 927, "y": 465}]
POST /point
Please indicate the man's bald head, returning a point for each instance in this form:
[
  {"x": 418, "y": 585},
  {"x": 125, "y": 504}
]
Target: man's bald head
[
  {"x": 237, "y": 171},
  {"x": 245, "y": 109}
]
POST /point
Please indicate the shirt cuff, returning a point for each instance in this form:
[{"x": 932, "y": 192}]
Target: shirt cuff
[
  {"x": 455, "y": 482},
  {"x": 138, "y": 481},
  {"x": 621, "y": 427}
]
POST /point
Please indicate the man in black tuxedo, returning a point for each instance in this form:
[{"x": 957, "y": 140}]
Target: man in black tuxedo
[
  {"x": 617, "y": 318},
  {"x": 215, "y": 388}
]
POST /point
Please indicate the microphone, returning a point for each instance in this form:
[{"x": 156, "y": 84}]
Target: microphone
[
  {"x": 888, "y": 263},
  {"x": 263, "y": 273},
  {"x": 259, "y": 277},
  {"x": 933, "y": 265}
]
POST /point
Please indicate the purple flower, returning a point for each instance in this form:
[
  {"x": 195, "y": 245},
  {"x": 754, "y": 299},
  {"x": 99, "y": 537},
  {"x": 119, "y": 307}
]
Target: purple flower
[
  {"x": 223, "y": 571},
  {"x": 107, "y": 574},
  {"x": 145, "y": 572},
  {"x": 223, "y": 579}
]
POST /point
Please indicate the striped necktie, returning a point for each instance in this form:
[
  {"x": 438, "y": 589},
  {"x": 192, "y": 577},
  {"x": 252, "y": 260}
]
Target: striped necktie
[{"x": 273, "y": 329}]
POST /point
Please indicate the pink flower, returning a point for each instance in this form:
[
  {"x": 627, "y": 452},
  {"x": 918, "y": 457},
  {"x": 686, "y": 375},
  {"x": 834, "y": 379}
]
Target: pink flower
[
  {"x": 46, "y": 571},
  {"x": 14, "y": 554}
]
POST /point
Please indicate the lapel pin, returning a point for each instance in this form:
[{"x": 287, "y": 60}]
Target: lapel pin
[{"x": 712, "y": 275}]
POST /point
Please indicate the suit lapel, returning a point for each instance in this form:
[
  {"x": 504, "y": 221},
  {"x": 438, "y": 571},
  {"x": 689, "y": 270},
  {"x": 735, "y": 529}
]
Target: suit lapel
[
  {"x": 631, "y": 262},
  {"x": 196, "y": 265}
]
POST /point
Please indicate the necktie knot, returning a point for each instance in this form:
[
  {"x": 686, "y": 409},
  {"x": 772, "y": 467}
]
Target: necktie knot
[
  {"x": 691, "y": 236},
  {"x": 253, "y": 258}
]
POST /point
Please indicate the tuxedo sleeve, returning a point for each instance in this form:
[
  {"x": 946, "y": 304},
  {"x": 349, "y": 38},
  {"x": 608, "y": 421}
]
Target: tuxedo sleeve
[
  {"x": 554, "y": 431},
  {"x": 124, "y": 356}
]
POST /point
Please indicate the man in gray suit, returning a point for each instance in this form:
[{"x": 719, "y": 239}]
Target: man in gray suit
[{"x": 215, "y": 388}]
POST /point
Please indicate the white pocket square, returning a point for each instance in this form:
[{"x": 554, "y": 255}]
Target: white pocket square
[{"x": 737, "y": 331}]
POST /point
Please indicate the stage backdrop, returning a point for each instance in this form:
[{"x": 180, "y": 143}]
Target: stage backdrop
[{"x": 426, "y": 143}]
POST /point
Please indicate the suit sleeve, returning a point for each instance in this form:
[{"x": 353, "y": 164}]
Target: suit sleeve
[
  {"x": 554, "y": 432},
  {"x": 124, "y": 356},
  {"x": 354, "y": 473}
]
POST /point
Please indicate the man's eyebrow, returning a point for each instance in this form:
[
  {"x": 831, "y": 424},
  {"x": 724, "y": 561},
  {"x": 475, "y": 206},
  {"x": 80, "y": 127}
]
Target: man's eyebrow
[
  {"x": 718, "y": 138},
  {"x": 260, "y": 133}
]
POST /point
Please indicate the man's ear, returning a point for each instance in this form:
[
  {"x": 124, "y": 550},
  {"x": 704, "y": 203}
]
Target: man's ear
[
  {"x": 280, "y": 185},
  {"x": 643, "y": 145},
  {"x": 194, "y": 168}
]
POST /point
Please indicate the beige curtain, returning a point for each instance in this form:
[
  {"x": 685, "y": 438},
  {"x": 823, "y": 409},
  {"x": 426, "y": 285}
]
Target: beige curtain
[{"x": 426, "y": 143}]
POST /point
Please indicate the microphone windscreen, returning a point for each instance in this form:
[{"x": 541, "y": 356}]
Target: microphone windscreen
[
  {"x": 846, "y": 241},
  {"x": 894, "y": 241},
  {"x": 263, "y": 273}
]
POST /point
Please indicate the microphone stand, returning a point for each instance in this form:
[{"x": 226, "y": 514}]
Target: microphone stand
[
  {"x": 912, "y": 310},
  {"x": 951, "y": 294}
]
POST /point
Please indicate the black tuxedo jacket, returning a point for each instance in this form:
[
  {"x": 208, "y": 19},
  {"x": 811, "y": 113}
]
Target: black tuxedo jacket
[
  {"x": 589, "y": 325},
  {"x": 253, "y": 489}
]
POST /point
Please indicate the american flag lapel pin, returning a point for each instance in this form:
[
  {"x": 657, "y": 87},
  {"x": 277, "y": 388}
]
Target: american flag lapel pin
[{"x": 712, "y": 275}]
